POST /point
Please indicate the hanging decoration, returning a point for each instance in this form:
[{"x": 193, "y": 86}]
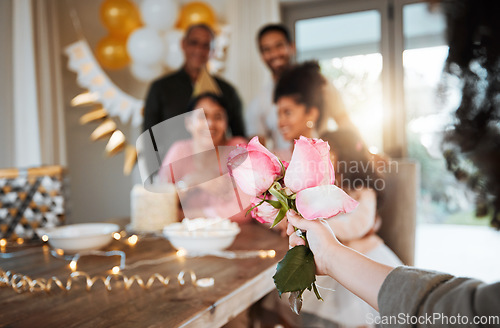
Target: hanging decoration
[
  {"x": 150, "y": 51},
  {"x": 120, "y": 17},
  {"x": 196, "y": 13},
  {"x": 111, "y": 52},
  {"x": 114, "y": 102}
]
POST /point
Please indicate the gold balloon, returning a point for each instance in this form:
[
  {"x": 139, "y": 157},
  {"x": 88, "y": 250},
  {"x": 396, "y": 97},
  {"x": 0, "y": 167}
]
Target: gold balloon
[
  {"x": 121, "y": 17},
  {"x": 111, "y": 52},
  {"x": 196, "y": 13}
]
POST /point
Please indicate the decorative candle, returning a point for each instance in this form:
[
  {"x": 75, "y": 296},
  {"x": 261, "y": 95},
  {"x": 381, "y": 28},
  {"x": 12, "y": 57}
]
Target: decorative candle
[{"x": 151, "y": 211}]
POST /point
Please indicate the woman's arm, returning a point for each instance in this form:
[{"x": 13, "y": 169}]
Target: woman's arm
[{"x": 354, "y": 271}]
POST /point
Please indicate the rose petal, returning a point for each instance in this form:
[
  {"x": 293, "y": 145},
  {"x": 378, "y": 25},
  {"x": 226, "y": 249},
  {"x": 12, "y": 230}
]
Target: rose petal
[
  {"x": 255, "y": 145},
  {"x": 310, "y": 165},
  {"x": 254, "y": 172},
  {"x": 324, "y": 202}
]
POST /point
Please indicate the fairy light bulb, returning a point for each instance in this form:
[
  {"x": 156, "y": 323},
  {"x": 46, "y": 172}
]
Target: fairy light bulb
[
  {"x": 115, "y": 270},
  {"x": 117, "y": 236},
  {"x": 45, "y": 238},
  {"x": 181, "y": 252},
  {"x": 132, "y": 240},
  {"x": 3, "y": 242},
  {"x": 72, "y": 265},
  {"x": 20, "y": 241}
]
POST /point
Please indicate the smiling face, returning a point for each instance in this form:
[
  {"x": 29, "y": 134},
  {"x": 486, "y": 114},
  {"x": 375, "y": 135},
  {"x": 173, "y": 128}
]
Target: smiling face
[
  {"x": 216, "y": 120},
  {"x": 276, "y": 51},
  {"x": 196, "y": 46},
  {"x": 293, "y": 118}
]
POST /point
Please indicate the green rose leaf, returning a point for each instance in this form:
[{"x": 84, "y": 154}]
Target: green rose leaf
[
  {"x": 281, "y": 198},
  {"x": 296, "y": 271},
  {"x": 279, "y": 217},
  {"x": 274, "y": 203}
]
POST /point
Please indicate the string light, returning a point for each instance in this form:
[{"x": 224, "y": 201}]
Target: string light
[
  {"x": 72, "y": 265},
  {"x": 45, "y": 238},
  {"x": 20, "y": 241},
  {"x": 3, "y": 242},
  {"x": 265, "y": 254},
  {"x": 115, "y": 270},
  {"x": 117, "y": 236},
  {"x": 181, "y": 252},
  {"x": 132, "y": 240},
  {"x": 22, "y": 283}
]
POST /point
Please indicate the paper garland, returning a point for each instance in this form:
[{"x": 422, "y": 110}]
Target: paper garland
[{"x": 91, "y": 77}]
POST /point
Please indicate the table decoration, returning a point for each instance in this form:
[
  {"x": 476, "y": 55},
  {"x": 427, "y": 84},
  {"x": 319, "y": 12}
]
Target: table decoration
[
  {"x": 30, "y": 199},
  {"x": 152, "y": 211},
  {"x": 202, "y": 234},
  {"x": 305, "y": 185},
  {"x": 79, "y": 237}
]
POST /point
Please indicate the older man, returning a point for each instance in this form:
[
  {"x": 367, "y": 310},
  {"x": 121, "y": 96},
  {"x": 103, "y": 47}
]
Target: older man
[{"x": 170, "y": 95}]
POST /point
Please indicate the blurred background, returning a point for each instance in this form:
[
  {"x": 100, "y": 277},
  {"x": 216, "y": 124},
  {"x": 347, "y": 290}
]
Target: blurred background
[{"x": 385, "y": 56}]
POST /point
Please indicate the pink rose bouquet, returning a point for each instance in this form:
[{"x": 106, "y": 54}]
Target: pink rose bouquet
[{"x": 306, "y": 185}]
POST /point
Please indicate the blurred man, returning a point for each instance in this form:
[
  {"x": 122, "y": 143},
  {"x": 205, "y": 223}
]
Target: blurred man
[
  {"x": 170, "y": 95},
  {"x": 277, "y": 51}
]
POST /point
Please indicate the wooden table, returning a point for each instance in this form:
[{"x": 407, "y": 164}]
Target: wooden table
[{"x": 238, "y": 284}]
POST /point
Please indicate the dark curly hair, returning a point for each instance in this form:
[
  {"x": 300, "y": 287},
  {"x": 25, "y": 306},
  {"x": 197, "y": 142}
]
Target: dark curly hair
[
  {"x": 304, "y": 83},
  {"x": 472, "y": 146},
  {"x": 355, "y": 166}
]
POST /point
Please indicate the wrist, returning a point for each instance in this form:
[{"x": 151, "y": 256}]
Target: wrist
[{"x": 335, "y": 252}]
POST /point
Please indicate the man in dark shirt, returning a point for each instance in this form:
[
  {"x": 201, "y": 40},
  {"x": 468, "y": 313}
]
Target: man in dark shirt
[{"x": 170, "y": 95}]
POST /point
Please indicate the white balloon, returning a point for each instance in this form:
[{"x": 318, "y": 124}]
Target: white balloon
[
  {"x": 145, "y": 46},
  {"x": 146, "y": 73},
  {"x": 174, "y": 56},
  {"x": 159, "y": 14}
]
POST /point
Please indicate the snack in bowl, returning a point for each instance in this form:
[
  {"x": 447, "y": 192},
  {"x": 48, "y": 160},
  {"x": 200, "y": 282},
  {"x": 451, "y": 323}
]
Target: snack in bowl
[
  {"x": 202, "y": 234},
  {"x": 82, "y": 237}
]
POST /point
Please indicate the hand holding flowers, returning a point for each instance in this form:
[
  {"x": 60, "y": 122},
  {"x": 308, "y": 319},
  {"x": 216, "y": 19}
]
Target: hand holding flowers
[{"x": 306, "y": 185}]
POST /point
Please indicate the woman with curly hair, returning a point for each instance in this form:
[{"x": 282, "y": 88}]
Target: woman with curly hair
[{"x": 407, "y": 296}]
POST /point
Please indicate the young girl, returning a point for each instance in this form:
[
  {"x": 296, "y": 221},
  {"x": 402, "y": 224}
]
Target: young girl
[{"x": 194, "y": 164}]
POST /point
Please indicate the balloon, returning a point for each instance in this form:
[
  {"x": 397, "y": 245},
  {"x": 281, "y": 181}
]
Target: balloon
[
  {"x": 196, "y": 13},
  {"x": 146, "y": 73},
  {"x": 174, "y": 57},
  {"x": 111, "y": 52},
  {"x": 145, "y": 46},
  {"x": 159, "y": 14},
  {"x": 120, "y": 17}
]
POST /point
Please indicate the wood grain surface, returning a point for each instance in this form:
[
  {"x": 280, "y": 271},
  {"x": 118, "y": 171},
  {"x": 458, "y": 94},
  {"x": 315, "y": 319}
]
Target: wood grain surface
[{"x": 238, "y": 284}]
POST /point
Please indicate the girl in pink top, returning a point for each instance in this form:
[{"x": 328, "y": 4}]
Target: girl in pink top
[{"x": 197, "y": 165}]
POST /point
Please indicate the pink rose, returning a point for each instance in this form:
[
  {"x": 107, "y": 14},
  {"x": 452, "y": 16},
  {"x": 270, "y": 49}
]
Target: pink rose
[
  {"x": 323, "y": 202},
  {"x": 265, "y": 212},
  {"x": 254, "y": 167},
  {"x": 310, "y": 165}
]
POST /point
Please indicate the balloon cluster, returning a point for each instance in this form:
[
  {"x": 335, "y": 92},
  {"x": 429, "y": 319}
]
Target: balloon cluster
[
  {"x": 155, "y": 47},
  {"x": 121, "y": 18}
]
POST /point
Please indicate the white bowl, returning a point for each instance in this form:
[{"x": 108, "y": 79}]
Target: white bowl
[
  {"x": 200, "y": 240},
  {"x": 83, "y": 237}
]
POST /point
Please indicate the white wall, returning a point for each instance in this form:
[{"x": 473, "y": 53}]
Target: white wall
[
  {"x": 98, "y": 188},
  {"x": 6, "y": 89}
]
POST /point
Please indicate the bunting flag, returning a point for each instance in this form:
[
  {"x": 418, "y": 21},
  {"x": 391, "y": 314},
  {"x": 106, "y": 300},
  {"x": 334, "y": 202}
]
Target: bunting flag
[{"x": 91, "y": 76}]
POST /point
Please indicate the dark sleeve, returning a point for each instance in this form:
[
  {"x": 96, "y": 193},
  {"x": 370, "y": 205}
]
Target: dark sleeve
[
  {"x": 437, "y": 300},
  {"x": 235, "y": 112},
  {"x": 152, "y": 107}
]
